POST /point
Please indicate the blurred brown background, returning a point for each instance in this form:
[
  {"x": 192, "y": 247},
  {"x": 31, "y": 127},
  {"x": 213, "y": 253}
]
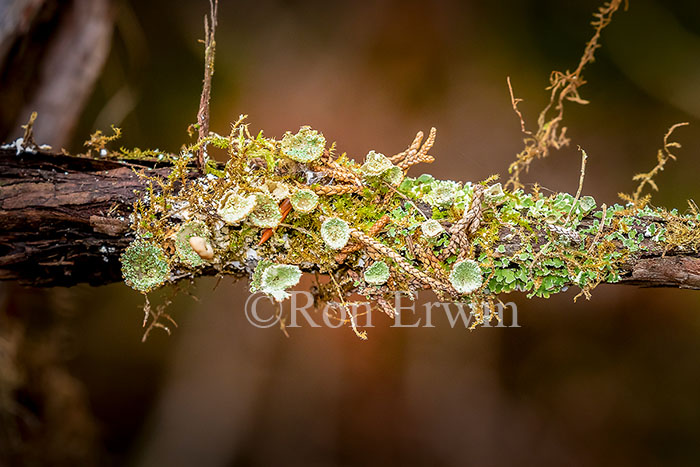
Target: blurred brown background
[{"x": 610, "y": 381}]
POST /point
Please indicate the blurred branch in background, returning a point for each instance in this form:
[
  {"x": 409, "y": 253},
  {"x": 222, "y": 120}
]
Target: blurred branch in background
[{"x": 51, "y": 54}]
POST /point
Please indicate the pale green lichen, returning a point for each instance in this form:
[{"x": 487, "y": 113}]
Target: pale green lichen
[
  {"x": 304, "y": 201},
  {"x": 144, "y": 266},
  {"x": 394, "y": 175},
  {"x": 442, "y": 193},
  {"x": 277, "y": 278},
  {"x": 431, "y": 228},
  {"x": 182, "y": 242},
  {"x": 267, "y": 213},
  {"x": 235, "y": 207},
  {"x": 494, "y": 191},
  {"x": 375, "y": 164},
  {"x": 466, "y": 276},
  {"x": 335, "y": 232},
  {"x": 377, "y": 273},
  {"x": 305, "y": 146}
]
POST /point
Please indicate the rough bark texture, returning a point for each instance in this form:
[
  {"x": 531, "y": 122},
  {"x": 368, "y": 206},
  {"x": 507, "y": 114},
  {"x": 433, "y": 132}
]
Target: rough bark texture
[{"x": 65, "y": 220}]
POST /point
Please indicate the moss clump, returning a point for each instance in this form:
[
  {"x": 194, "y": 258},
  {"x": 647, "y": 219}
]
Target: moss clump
[
  {"x": 431, "y": 228},
  {"x": 305, "y": 146},
  {"x": 375, "y": 164},
  {"x": 335, "y": 232},
  {"x": 266, "y": 214},
  {"x": 466, "y": 276},
  {"x": 442, "y": 193},
  {"x": 277, "y": 278},
  {"x": 184, "y": 249},
  {"x": 377, "y": 273},
  {"x": 304, "y": 201},
  {"x": 235, "y": 207},
  {"x": 144, "y": 266}
]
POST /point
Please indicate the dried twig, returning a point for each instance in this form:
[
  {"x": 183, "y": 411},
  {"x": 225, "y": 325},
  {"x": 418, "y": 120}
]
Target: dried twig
[{"x": 203, "y": 113}]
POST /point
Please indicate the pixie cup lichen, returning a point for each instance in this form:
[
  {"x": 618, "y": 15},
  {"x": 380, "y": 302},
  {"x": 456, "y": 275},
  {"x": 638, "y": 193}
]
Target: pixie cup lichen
[
  {"x": 466, "y": 276},
  {"x": 335, "y": 232},
  {"x": 304, "y": 201},
  {"x": 377, "y": 273},
  {"x": 235, "y": 207},
  {"x": 144, "y": 266},
  {"x": 266, "y": 213},
  {"x": 305, "y": 146}
]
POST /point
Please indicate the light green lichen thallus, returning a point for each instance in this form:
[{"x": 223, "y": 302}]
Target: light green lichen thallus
[
  {"x": 304, "y": 201},
  {"x": 536, "y": 242},
  {"x": 377, "y": 273},
  {"x": 235, "y": 207},
  {"x": 431, "y": 228},
  {"x": 144, "y": 266},
  {"x": 375, "y": 164},
  {"x": 466, "y": 276},
  {"x": 305, "y": 146},
  {"x": 266, "y": 213},
  {"x": 442, "y": 193},
  {"x": 335, "y": 232},
  {"x": 277, "y": 278}
]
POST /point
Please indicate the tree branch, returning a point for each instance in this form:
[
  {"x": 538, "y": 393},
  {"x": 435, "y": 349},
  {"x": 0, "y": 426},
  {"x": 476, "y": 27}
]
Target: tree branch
[{"x": 65, "y": 220}]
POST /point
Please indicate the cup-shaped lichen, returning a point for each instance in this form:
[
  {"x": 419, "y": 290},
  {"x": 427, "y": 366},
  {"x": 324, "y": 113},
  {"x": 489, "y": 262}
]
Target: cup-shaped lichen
[
  {"x": 442, "y": 193},
  {"x": 144, "y": 266},
  {"x": 377, "y": 273},
  {"x": 495, "y": 191},
  {"x": 183, "y": 247},
  {"x": 235, "y": 207},
  {"x": 277, "y": 278},
  {"x": 305, "y": 146},
  {"x": 431, "y": 228},
  {"x": 266, "y": 214},
  {"x": 304, "y": 201},
  {"x": 394, "y": 175},
  {"x": 335, "y": 232},
  {"x": 375, "y": 164},
  {"x": 466, "y": 276}
]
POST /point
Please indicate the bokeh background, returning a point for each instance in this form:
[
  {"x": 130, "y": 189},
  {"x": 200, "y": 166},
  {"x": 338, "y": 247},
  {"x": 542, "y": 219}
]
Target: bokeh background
[{"x": 610, "y": 381}]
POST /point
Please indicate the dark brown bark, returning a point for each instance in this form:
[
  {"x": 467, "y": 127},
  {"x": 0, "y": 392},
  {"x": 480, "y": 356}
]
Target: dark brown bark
[{"x": 65, "y": 220}]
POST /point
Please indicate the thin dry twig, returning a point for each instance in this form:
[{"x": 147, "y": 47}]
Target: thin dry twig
[{"x": 209, "y": 50}]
